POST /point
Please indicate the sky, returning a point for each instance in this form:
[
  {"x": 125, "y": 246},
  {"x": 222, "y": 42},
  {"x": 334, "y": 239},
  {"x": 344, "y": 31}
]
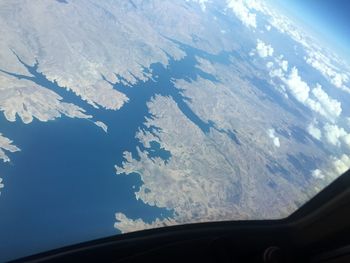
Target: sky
[{"x": 329, "y": 18}]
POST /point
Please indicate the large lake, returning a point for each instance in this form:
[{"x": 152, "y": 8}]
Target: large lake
[{"x": 62, "y": 189}]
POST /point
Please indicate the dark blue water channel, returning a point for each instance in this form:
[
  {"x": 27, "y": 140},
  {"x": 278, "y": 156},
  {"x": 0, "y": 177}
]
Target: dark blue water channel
[{"x": 61, "y": 188}]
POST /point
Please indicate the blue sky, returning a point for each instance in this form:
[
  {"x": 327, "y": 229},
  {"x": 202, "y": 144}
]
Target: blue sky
[{"x": 329, "y": 18}]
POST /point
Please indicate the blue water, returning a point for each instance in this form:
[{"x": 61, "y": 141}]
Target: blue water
[
  {"x": 61, "y": 188},
  {"x": 156, "y": 150}
]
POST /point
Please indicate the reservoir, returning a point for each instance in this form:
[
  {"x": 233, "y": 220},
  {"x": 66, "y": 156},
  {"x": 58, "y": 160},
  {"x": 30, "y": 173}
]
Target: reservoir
[{"x": 61, "y": 188}]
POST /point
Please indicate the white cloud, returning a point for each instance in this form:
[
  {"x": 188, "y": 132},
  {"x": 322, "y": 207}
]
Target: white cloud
[
  {"x": 339, "y": 165},
  {"x": 333, "y": 133},
  {"x": 316, "y": 107},
  {"x": 276, "y": 73},
  {"x": 202, "y": 3},
  {"x": 338, "y": 79},
  {"x": 255, "y": 5},
  {"x": 336, "y": 136},
  {"x": 242, "y": 12},
  {"x": 275, "y": 139},
  {"x": 284, "y": 65},
  {"x": 281, "y": 65},
  {"x": 285, "y": 26},
  {"x": 323, "y": 64},
  {"x": 268, "y": 27},
  {"x": 331, "y": 106},
  {"x": 322, "y": 103},
  {"x": 277, "y": 69},
  {"x": 276, "y": 142},
  {"x": 342, "y": 164},
  {"x": 346, "y": 140},
  {"x": 331, "y": 66},
  {"x": 317, "y": 174},
  {"x": 314, "y": 131},
  {"x": 264, "y": 50},
  {"x": 297, "y": 86},
  {"x": 269, "y": 64}
]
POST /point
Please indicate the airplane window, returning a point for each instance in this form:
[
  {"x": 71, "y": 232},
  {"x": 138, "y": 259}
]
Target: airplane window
[{"x": 119, "y": 116}]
